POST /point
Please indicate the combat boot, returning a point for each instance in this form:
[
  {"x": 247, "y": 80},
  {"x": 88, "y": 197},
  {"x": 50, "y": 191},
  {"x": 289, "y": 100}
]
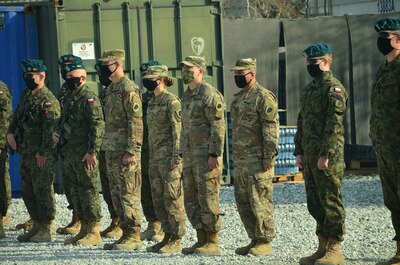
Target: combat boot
[
  {"x": 156, "y": 248},
  {"x": 113, "y": 230},
  {"x": 26, "y": 226},
  {"x": 395, "y": 260},
  {"x": 173, "y": 246},
  {"x": 245, "y": 250},
  {"x": 72, "y": 228},
  {"x": 6, "y": 220},
  {"x": 262, "y": 248},
  {"x": 333, "y": 255},
  {"x": 130, "y": 242},
  {"x": 81, "y": 234},
  {"x": 310, "y": 260},
  {"x": 45, "y": 233},
  {"x": 92, "y": 237},
  {"x": 211, "y": 247},
  {"x": 201, "y": 240},
  {"x": 27, "y": 236},
  {"x": 110, "y": 246},
  {"x": 153, "y": 232},
  {"x": 2, "y": 233}
]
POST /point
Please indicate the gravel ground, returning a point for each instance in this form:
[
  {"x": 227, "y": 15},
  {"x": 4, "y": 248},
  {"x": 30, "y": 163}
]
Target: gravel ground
[{"x": 368, "y": 238}]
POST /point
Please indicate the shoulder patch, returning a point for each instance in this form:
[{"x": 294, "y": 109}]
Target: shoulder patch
[
  {"x": 269, "y": 110},
  {"x": 136, "y": 106},
  {"x": 1, "y": 92},
  {"x": 337, "y": 90}
]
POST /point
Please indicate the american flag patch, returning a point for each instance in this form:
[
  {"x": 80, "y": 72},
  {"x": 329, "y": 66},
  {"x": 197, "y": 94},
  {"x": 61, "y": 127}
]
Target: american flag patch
[
  {"x": 338, "y": 90},
  {"x": 90, "y": 100}
]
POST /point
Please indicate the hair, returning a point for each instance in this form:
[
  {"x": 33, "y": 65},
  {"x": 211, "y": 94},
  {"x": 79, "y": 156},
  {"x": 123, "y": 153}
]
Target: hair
[{"x": 168, "y": 81}]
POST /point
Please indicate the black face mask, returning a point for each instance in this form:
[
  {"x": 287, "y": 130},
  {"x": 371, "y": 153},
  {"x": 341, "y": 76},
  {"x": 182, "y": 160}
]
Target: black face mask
[
  {"x": 240, "y": 81},
  {"x": 149, "y": 84},
  {"x": 384, "y": 45},
  {"x": 30, "y": 83},
  {"x": 105, "y": 81},
  {"x": 105, "y": 71},
  {"x": 314, "y": 70},
  {"x": 73, "y": 83}
]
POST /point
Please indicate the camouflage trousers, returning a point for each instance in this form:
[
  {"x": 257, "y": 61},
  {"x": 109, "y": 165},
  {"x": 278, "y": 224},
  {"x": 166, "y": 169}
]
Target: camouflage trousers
[
  {"x": 167, "y": 192},
  {"x": 67, "y": 186},
  {"x": 201, "y": 187},
  {"x": 5, "y": 182},
  {"x": 83, "y": 187},
  {"x": 105, "y": 184},
  {"x": 389, "y": 173},
  {"x": 324, "y": 199},
  {"x": 125, "y": 185},
  {"x": 253, "y": 194},
  {"x": 37, "y": 187},
  {"x": 146, "y": 197}
]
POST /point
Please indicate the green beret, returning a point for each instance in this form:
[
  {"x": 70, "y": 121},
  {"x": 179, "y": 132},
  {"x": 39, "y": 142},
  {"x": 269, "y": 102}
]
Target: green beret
[
  {"x": 73, "y": 66},
  {"x": 246, "y": 63},
  {"x": 156, "y": 71},
  {"x": 194, "y": 61},
  {"x": 110, "y": 55},
  {"x": 144, "y": 66},
  {"x": 32, "y": 65},
  {"x": 387, "y": 24},
  {"x": 317, "y": 50},
  {"x": 69, "y": 58}
]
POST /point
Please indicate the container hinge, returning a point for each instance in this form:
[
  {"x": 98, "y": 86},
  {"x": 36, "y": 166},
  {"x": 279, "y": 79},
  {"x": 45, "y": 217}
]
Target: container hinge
[
  {"x": 215, "y": 11},
  {"x": 2, "y": 24}
]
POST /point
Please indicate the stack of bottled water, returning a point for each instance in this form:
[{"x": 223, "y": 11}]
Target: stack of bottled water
[{"x": 286, "y": 161}]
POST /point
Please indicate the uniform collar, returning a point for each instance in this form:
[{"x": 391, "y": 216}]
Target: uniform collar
[{"x": 160, "y": 96}]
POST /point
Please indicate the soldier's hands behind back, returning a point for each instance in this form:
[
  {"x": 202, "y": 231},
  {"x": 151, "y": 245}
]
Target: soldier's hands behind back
[
  {"x": 11, "y": 141},
  {"x": 56, "y": 137},
  {"x": 91, "y": 161},
  {"x": 299, "y": 161},
  {"x": 128, "y": 158},
  {"x": 40, "y": 160},
  {"x": 323, "y": 163}
]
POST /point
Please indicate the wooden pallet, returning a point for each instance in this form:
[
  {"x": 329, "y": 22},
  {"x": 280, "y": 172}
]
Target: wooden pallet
[
  {"x": 297, "y": 177},
  {"x": 363, "y": 164}
]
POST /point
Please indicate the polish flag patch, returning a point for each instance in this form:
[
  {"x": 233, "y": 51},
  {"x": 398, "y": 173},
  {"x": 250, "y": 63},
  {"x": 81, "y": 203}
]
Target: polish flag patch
[
  {"x": 1, "y": 93},
  {"x": 48, "y": 104},
  {"x": 90, "y": 100},
  {"x": 338, "y": 90}
]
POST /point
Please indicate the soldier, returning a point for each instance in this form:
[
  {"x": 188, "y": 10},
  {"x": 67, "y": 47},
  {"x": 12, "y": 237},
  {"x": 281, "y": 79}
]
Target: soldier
[
  {"x": 319, "y": 150},
  {"x": 30, "y": 134},
  {"x": 164, "y": 121},
  {"x": 385, "y": 117},
  {"x": 79, "y": 134},
  {"x": 203, "y": 133},
  {"x": 153, "y": 231},
  {"x": 255, "y": 134},
  {"x": 122, "y": 144},
  {"x": 5, "y": 183}
]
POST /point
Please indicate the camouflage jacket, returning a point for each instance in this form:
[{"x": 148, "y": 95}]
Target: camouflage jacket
[
  {"x": 82, "y": 121},
  {"x": 5, "y": 112},
  {"x": 203, "y": 123},
  {"x": 320, "y": 130},
  {"x": 385, "y": 109},
  {"x": 145, "y": 99},
  {"x": 164, "y": 120},
  {"x": 255, "y": 127},
  {"x": 36, "y": 115},
  {"x": 123, "y": 115}
]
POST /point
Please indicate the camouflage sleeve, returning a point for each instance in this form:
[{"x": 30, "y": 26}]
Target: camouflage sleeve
[
  {"x": 174, "y": 114},
  {"x": 133, "y": 107},
  {"x": 95, "y": 117},
  {"x": 268, "y": 113},
  {"x": 5, "y": 114},
  {"x": 49, "y": 115},
  {"x": 18, "y": 111},
  {"x": 298, "y": 137},
  {"x": 215, "y": 111},
  {"x": 334, "y": 117}
]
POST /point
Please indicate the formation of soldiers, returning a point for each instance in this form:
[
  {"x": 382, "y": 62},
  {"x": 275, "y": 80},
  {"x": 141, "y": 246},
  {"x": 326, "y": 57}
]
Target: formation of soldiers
[{"x": 164, "y": 154}]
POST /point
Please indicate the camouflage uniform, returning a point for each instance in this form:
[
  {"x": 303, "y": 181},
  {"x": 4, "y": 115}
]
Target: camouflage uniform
[{"x": 5, "y": 183}]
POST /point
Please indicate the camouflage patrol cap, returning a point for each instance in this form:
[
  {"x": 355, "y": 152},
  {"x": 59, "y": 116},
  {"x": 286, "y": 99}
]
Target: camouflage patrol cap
[
  {"x": 109, "y": 55},
  {"x": 194, "y": 61},
  {"x": 33, "y": 65},
  {"x": 156, "y": 71},
  {"x": 246, "y": 63},
  {"x": 69, "y": 58},
  {"x": 144, "y": 66},
  {"x": 387, "y": 24},
  {"x": 317, "y": 50},
  {"x": 73, "y": 66}
]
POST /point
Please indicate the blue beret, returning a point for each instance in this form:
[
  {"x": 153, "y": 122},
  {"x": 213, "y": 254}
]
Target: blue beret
[
  {"x": 317, "y": 50},
  {"x": 144, "y": 66},
  {"x": 69, "y": 58},
  {"x": 32, "y": 65},
  {"x": 387, "y": 24},
  {"x": 73, "y": 66}
]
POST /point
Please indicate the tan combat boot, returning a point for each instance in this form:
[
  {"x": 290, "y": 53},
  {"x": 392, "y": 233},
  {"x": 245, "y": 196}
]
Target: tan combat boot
[
  {"x": 45, "y": 233},
  {"x": 333, "y": 254},
  {"x": 245, "y": 250},
  {"x": 81, "y": 234},
  {"x": 92, "y": 237},
  {"x": 153, "y": 232},
  {"x": 130, "y": 242},
  {"x": 211, "y": 247},
  {"x": 310, "y": 260},
  {"x": 156, "y": 248},
  {"x": 262, "y": 248},
  {"x": 201, "y": 240},
  {"x": 110, "y": 246},
  {"x": 395, "y": 260},
  {"x": 113, "y": 230},
  {"x": 72, "y": 228},
  {"x": 2, "y": 233},
  {"x": 173, "y": 246},
  {"x": 26, "y": 226},
  {"x": 6, "y": 220},
  {"x": 27, "y": 236}
]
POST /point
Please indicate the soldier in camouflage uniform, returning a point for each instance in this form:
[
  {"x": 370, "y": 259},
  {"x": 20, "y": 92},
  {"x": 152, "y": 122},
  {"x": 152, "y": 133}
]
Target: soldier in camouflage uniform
[
  {"x": 122, "y": 144},
  {"x": 79, "y": 133},
  {"x": 164, "y": 121},
  {"x": 255, "y": 134},
  {"x": 153, "y": 231},
  {"x": 385, "y": 120},
  {"x": 320, "y": 151},
  {"x": 30, "y": 134},
  {"x": 202, "y": 143},
  {"x": 5, "y": 183}
]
